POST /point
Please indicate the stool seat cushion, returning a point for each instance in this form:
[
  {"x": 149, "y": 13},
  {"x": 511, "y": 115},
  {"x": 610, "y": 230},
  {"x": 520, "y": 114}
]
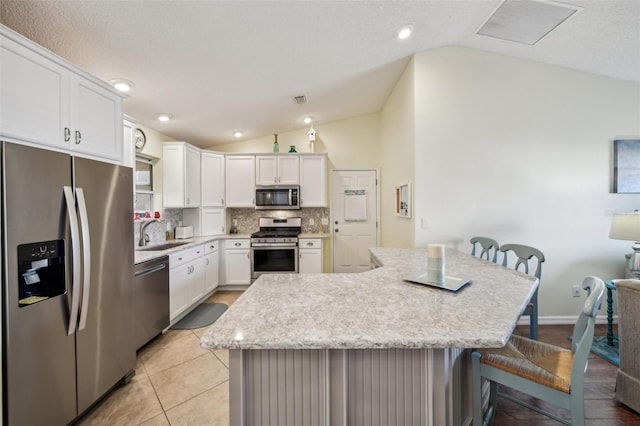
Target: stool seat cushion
[{"x": 536, "y": 361}]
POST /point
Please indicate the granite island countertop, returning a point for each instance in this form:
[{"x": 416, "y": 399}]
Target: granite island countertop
[{"x": 377, "y": 309}]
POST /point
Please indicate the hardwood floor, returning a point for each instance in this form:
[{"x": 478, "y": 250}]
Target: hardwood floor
[{"x": 601, "y": 407}]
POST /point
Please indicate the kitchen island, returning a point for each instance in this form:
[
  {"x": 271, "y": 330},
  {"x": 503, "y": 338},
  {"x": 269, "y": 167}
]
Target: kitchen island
[{"x": 368, "y": 348}]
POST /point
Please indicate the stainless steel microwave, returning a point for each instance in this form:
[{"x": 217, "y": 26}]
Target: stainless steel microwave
[{"x": 278, "y": 197}]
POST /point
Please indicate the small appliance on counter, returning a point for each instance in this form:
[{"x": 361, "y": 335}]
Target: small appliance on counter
[{"x": 183, "y": 232}]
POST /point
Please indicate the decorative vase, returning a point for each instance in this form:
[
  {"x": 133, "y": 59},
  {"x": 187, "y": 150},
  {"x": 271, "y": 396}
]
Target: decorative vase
[
  {"x": 292, "y": 148},
  {"x": 276, "y": 146}
]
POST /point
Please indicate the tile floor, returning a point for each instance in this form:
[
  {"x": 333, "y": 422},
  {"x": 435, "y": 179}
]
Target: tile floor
[{"x": 176, "y": 383}]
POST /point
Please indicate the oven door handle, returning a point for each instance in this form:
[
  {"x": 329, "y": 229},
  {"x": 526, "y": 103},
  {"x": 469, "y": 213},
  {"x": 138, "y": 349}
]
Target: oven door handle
[{"x": 273, "y": 245}]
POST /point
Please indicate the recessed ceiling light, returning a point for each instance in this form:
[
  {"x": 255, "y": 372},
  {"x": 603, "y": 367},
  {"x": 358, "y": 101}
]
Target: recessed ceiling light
[
  {"x": 163, "y": 117},
  {"x": 404, "y": 32},
  {"x": 307, "y": 120},
  {"x": 238, "y": 134},
  {"x": 121, "y": 84}
]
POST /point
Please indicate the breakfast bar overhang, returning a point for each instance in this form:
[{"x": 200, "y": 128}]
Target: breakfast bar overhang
[{"x": 368, "y": 348}]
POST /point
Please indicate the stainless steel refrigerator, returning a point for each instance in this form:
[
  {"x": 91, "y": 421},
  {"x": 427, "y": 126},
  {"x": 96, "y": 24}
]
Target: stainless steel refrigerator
[{"x": 67, "y": 276}]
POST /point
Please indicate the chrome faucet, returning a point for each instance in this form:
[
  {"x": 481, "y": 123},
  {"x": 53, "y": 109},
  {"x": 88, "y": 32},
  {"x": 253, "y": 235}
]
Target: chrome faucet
[{"x": 144, "y": 238}]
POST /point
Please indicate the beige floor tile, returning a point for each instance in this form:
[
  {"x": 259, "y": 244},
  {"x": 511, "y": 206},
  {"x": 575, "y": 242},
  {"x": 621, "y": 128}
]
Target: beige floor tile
[
  {"x": 172, "y": 351},
  {"x": 128, "y": 405},
  {"x": 182, "y": 382},
  {"x": 210, "y": 408},
  {"x": 159, "y": 420},
  {"x": 223, "y": 355}
]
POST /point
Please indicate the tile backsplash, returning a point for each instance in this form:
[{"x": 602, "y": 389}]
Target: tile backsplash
[
  {"x": 157, "y": 231},
  {"x": 247, "y": 218}
]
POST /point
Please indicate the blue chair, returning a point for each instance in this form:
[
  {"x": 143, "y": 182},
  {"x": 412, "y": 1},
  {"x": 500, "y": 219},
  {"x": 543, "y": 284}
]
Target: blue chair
[
  {"x": 489, "y": 248},
  {"x": 523, "y": 255},
  {"x": 544, "y": 371}
]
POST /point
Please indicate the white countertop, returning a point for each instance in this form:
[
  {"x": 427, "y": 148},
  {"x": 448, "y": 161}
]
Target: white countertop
[
  {"x": 376, "y": 309},
  {"x": 143, "y": 256}
]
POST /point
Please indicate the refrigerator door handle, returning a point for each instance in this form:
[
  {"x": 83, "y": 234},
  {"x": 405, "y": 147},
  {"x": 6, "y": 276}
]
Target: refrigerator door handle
[
  {"x": 86, "y": 257},
  {"x": 75, "y": 244}
]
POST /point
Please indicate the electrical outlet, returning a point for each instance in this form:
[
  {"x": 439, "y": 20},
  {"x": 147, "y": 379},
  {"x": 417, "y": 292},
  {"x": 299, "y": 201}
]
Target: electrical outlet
[
  {"x": 424, "y": 223},
  {"x": 325, "y": 221},
  {"x": 575, "y": 291},
  {"x": 235, "y": 222},
  {"x": 311, "y": 222}
]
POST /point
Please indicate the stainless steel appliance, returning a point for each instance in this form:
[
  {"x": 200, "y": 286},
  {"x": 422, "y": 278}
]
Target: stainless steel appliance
[
  {"x": 67, "y": 275},
  {"x": 278, "y": 197},
  {"x": 151, "y": 309},
  {"x": 274, "y": 248}
]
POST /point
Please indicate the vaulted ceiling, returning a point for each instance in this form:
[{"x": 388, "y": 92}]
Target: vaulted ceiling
[{"x": 222, "y": 66}]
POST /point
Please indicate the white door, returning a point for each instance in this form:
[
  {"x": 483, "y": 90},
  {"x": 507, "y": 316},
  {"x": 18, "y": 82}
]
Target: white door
[{"x": 354, "y": 209}]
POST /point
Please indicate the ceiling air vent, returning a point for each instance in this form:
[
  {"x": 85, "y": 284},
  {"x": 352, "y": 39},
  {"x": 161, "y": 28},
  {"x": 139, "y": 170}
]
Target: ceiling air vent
[
  {"x": 302, "y": 99},
  {"x": 525, "y": 21}
]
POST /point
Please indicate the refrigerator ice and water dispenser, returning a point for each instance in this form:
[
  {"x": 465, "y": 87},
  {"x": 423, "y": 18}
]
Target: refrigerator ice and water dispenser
[{"x": 41, "y": 272}]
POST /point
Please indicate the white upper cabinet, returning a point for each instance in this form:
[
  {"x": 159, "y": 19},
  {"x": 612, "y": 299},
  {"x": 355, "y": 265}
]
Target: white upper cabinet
[
  {"x": 96, "y": 119},
  {"x": 44, "y": 100},
  {"x": 181, "y": 176},
  {"x": 212, "y": 179},
  {"x": 313, "y": 180},
  {"x": 212, "y": 221},
  {"x": 240, "y": 180},
  {"x": 277, "y": 170}
]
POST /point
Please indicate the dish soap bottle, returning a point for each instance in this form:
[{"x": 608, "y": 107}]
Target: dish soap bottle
[{"x": 276, "y": 146}]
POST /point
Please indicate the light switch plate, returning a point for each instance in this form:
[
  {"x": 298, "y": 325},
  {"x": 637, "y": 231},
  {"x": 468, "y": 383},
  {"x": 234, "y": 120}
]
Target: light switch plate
[
  {"x": 325, "y": 221},
  {"x": 311, "y": 222}
]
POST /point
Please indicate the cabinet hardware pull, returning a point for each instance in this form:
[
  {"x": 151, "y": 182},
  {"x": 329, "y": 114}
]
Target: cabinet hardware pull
[
  {"x": 207, "y": 262},
  {"x": 67, "y": 134},
  {"x": 78, "y": 137}
]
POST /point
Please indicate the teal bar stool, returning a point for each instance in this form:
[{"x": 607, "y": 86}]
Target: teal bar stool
[
  {"x": 544, "y": 371},
  {"x": 488, "y": 248},
  {"x": 525, "y": 254}
]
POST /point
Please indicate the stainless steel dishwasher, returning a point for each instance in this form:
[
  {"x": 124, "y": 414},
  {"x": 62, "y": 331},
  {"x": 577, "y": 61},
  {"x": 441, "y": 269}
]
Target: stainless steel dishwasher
[{"x": 151, "y": 299}]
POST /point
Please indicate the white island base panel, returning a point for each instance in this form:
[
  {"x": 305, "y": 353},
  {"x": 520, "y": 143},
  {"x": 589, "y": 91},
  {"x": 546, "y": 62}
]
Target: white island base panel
[{"x": 354, "y": 387}]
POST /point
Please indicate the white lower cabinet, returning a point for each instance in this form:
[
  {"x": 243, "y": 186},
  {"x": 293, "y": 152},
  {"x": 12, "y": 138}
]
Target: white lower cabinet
[
  {"x": 310, "y": 255},
  {"x": 186, "y": 280},
  {"x": 211, "y": 260},
  {"x": 237, "y": 262}
]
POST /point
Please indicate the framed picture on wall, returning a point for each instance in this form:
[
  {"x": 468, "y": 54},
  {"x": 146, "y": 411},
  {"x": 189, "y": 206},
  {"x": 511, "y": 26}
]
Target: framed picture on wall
[
  {"x": 626, "y": 166},
  {"x": 403, "y": 200}
]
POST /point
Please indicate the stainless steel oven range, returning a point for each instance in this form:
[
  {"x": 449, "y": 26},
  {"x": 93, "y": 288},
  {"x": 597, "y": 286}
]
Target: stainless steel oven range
[{"x": 274, "y": 248}]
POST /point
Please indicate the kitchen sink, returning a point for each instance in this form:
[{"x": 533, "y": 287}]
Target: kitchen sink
[{"x": 165, "y": 246}]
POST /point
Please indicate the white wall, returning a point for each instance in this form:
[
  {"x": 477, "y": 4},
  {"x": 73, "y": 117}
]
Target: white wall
[
  {"x": 522, "y": 152},
  {"x": 354, "y": 142},
  {"x": 397, "y": 150}
]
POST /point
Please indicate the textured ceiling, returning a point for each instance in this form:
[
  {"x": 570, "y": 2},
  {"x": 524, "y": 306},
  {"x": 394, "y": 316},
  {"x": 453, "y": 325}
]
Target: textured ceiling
[{"x": 223, "y": 66}]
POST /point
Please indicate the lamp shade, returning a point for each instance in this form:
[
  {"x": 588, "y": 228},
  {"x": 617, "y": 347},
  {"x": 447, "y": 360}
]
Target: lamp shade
[{"x": 625, "y": 226}]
